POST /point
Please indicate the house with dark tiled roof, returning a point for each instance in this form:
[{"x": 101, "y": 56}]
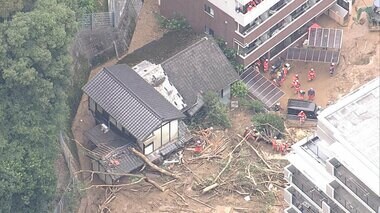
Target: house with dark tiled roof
[
  {"x": 130, "y": 113},
  {"x": 200, "y": 68}
]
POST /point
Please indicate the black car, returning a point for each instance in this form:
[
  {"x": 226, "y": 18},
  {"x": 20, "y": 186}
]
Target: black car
[{"x": 295, "y": 106}]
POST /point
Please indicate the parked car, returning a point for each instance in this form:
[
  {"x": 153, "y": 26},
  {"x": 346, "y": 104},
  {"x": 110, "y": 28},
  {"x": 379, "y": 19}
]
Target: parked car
[{"x": 295, "y": 106}]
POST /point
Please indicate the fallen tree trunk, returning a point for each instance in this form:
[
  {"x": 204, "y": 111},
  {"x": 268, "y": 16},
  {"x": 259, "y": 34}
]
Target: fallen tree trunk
[
  {"x": 208, "y": 188},
  {"x": 257, "y": 153},
  {"x": 155, "y": 184},
  {"x": 152, "y": 165}
]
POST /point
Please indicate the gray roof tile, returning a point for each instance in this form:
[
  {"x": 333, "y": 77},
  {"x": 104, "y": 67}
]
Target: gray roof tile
[
  {"x": 128, "y": 98},
  {"x": 200, "y": 68}
]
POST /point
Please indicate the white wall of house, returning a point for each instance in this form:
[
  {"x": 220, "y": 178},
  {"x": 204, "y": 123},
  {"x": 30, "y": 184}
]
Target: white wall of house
[
  {"x": 225, "y": 99},
  {"x": 161, "y": 136}
]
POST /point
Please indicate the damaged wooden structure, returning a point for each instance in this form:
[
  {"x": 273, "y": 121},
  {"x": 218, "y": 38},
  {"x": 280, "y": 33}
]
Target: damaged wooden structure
[{"x": 130, "y": 113}]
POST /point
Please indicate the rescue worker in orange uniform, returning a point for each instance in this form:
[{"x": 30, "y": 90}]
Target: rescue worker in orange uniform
[
  {"x": 302, "y": 117},
  {"x": 311, "y": 74},
  {"x": 285, "y": 69},
  {"x": 295, "y": 78},
  {"x": 266, "y": 65},
  {"x": 297, "y": 87},
  {"x": 332, "y": 69}
]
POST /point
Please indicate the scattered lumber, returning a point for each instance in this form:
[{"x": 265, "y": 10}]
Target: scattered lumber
[
  {"x": 211, "y": 187},
  {"x": 257, "y": 153},
  {"x": 155, "y": 184},
  {"x": 152, "y": 165},
  {"x": 198, "y": 201}
]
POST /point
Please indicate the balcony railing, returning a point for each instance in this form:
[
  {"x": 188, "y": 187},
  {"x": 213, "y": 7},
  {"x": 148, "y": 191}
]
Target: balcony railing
[
  {"x": 300, "y": 202},
  {"x": 247, "y": 29},
  {"x": 346, "y": 199},
  {"x": 248, "y": 7},
  {"x": 273, "y": 31},
  {"x": 356, "y": 186},
  {"x": 308, "y": 187}
]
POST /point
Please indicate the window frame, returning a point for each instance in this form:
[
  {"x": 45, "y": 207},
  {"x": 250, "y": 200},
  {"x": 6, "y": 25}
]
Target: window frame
[
  {"x": 151, "y": 144},
  {"x": 209, "y": 10}
]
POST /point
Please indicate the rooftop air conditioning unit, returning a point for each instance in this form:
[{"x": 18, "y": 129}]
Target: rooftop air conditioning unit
[
  {"x": 258, "y": 42},
  {"x": 275, "y": 32},
  {"x": 264, "y": 37},
  {"x": 287, "y": 20},
  {"x": 264, "y": 16},
  {"x": 258, "y": 21},
  {"x": 104, "y": 128}
]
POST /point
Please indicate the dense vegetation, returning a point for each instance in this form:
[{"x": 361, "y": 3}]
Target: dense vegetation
[
  {"x": 34, "y": 77},
  {"x": 214, "y": 113}
]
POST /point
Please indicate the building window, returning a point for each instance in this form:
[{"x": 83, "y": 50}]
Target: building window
[
  {"x": 209, "y": 10},
  {"x": 209, "y": 31},
  {"x": 148, "y": 148}
]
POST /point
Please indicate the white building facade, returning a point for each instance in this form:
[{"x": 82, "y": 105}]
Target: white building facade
[{"x": 337, "y": 169}]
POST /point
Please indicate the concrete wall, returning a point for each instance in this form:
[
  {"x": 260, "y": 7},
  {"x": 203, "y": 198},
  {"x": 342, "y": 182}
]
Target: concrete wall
[
  {"x": 221, "y": 23},
  {"x": 102, "y": 43}
]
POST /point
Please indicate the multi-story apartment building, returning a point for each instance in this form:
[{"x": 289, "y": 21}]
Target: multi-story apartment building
[
  {"x": 255, "y": 28},
  {"x": 337, "y": 169}
]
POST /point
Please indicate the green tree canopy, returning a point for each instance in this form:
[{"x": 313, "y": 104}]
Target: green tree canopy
[{"x": 34, "y": 75}]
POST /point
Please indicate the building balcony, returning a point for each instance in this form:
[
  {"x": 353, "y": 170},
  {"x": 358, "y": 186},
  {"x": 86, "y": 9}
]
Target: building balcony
[
  {"x": 298, "y": 201},
  {"x": 248, "y": 7},
  {"x": 292, "y": 209},
  {"x": 346, "y": 198},
  {"x": 303, "y": 16},
  {"x": 244, "y": 31},
  {"x": 355, "y": 185},
  {"x": 248, "y": 11},
  {"x": 300, "y": 181}
]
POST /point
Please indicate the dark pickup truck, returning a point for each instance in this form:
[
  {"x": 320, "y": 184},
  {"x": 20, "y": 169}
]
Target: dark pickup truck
[{"x": 295, "y": 106}]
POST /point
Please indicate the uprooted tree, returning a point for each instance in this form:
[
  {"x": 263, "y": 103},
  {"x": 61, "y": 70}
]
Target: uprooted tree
[
  {"x": 213, "y": 113},
  {"x": 269, "y": 124}
]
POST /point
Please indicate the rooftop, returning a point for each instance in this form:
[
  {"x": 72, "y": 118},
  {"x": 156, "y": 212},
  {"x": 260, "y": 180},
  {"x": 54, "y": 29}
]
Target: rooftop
[
  {"x": 109, "y": 147},
  {"x": 199, "y": 68},
  {"x": 128, "y": 98},
  {"x": 354, "y": 122},
  {"x": 155, "y": 76}
]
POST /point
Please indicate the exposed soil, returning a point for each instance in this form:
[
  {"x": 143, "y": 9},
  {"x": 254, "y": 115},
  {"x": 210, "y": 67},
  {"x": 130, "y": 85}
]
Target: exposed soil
[
  {"x": 359, "y": 63},
  {"x": 165, "y": 47},
  {"x": 197, "y": 174}
]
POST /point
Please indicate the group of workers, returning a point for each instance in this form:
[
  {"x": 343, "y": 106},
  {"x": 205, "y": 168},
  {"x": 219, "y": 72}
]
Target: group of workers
[
  {"x": 301, "y": 93},
  {"x": 280, "y": 145}
]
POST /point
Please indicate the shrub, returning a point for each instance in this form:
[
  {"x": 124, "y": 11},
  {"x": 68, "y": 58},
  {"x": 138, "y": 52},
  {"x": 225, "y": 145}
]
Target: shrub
[
  {"x": 216, "y": 112},
  {"x": 255, "y": 105},
  {"x": 213, "y": 113},
  {"x": 176, "y": 23},
  {"x": 230, "y": 54},
  {"x": 262, "y": 120},
  {"x": 239, "y": 89}
]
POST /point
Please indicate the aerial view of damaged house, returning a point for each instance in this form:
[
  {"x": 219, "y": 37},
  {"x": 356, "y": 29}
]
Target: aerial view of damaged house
[{"x": 142, "y": 107}]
